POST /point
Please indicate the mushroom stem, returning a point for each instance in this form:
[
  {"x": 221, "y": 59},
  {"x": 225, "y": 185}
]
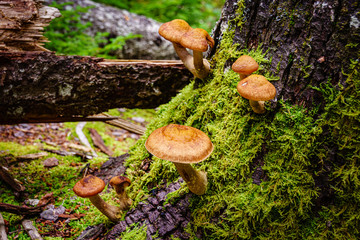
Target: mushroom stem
[
  {"x": 125, "y": 201},
  {"x": 257, "y": 106},
  {"x": 185, "y": 57},
  {"x": 195, "y": 180},
  {"x": 110, "y": 211},
  {"x": 202, "y": 66},
  {"x": 242, "y": 76},
  {"x": 198, "y": 66}
]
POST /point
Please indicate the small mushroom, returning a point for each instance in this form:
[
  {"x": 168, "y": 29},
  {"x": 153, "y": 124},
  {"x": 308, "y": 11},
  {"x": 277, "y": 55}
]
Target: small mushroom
[
  {"x": 257, "y": 89},
  {"x": 90, "y": 187},
  {"x": 245, "y": 65},
  {"x": 183, "y": 36},
  {"x": 120, "y": 183},
  {"x": 182, "y": 145}
]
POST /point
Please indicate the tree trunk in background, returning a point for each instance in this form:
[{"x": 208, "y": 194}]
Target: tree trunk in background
[{"x": 309, "y": 42}]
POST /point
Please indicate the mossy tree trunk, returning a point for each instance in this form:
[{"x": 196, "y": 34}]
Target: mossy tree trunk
[
  {"x": 308, "y": 42},
  {"x": 292, "y": 172}
]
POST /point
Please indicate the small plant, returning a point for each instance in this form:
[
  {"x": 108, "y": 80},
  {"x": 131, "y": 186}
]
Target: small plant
[
  {"x": 67, "y": 35},
  {"x": 198, "y": 13}
]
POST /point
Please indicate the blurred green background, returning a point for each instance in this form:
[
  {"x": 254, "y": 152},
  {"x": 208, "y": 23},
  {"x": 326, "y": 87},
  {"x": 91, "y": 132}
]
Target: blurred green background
[{"x": 67, "y": 35}]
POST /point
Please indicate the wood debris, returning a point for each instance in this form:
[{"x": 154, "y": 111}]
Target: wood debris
[
  {"x": 3, "y": 235},
  {"x": 31, "y": 230},
  {"x": 15, "y": 184},
  {"x": 99, "y": 142},
  {"x": 22, "y": 24}
]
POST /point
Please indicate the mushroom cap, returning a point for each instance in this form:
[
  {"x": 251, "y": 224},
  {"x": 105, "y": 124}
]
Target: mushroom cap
[
  {"x": 245, "y": 65},
  {"x": 174, "y": 30},
  {"x": 180, "y": 144},
  {"x": 89, "y": 186},
  {"x": 257, "y": 88},
  {"x": 197, "y": 39},
  {"x": 120, "y": 180}
]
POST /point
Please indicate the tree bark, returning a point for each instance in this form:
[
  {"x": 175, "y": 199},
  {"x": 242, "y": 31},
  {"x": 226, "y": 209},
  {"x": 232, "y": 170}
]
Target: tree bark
[
  {"x": 308, "y": 42},
  {"x": 43, "y": 85}
]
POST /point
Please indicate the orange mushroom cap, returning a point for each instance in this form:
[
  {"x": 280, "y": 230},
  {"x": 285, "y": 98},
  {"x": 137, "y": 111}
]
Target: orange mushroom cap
[
  {"x": 256, "y": 88},
  {"x": 174, "y": 30},
  {"x": 197, "y": 39},
  {"x": 180, "y": 144},
  {"x": 120, "y": 180},
  {"x": 89, "y": 186},
  {"x": 245, "y": 65}
]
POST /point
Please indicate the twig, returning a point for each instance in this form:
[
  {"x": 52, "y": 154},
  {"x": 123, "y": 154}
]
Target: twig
[
  {"x": 99, "y": 142},
  {"x": 121, "y": 123},
  {"x": 31, "y": 230},
  {"x": 6, "y": 176},
  {"x": 3, "y": 235},
  {"x": 26, "y": 211}
]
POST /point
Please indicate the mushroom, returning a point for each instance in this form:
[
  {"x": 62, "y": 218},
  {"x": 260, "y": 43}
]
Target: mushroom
[
  {"x": 119, "y": 183},
  {"x": 183, "y": 36},
  {"x": 182, "y": 145},
  {"x": 257, "y": 89},
  {"x": 245, "y": 65},
  {"x": 90, "y": 187}
]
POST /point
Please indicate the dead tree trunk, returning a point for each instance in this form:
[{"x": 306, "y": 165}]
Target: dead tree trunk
[
  {"x": 37, "y": 84},
  {"x": 42, "y": 85}
]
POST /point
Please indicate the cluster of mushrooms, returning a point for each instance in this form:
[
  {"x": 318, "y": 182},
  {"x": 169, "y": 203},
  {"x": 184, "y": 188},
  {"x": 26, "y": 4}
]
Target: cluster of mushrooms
[{"x": 182, "y": 145}]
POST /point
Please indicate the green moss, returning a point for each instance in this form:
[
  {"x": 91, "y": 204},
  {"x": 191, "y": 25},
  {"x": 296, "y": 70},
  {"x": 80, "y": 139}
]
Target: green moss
[
  {"x": 134, "y": 232},
  {"x": 290, "y": 144}
]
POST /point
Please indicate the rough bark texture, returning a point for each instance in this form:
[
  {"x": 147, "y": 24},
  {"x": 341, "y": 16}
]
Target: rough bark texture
[
  {"x": 309, "y": 42},
  {"x": 120, "y": 22},
  {"x": 22, "y": 23},
  {"x": 41, "y": 84}
]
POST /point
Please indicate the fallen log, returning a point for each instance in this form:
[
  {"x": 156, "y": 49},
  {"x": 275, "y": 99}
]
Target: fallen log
[
  {"x": 42, "y": 85},
  {"x": 38, "y": 86}
]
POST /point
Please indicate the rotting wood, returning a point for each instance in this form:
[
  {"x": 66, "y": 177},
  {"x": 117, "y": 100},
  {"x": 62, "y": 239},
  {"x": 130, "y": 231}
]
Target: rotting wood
[
  {"x": 31, "y": 229},
  {"x": 41, "y": 85},
  {"x": 22, "y": 23}
]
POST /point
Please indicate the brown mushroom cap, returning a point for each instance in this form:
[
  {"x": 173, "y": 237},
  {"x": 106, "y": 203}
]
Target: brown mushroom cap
[
  {"x": 174, "y": 30},
  {"x": 197, "y": 39},
  {"x": 180, "y": 144},
  {"x": 120, "y": 180},
  {"x": 256, "y": 88},
  {"x": 89, "y": 186},
  {"x": 245, "y": 65}
]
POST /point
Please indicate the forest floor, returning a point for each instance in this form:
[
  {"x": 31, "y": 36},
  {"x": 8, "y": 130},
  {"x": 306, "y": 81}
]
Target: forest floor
[{"x": 50, "y": 158}]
